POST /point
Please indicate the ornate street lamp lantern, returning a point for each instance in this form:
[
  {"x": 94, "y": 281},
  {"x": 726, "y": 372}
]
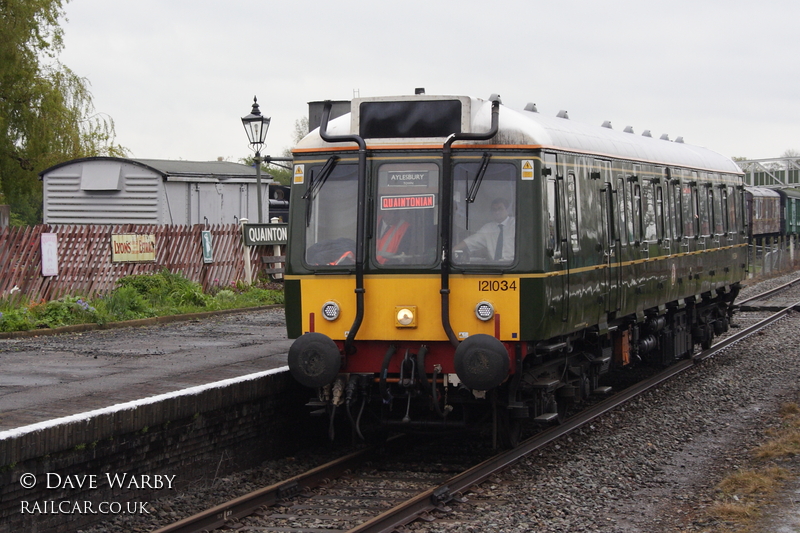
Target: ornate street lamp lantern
[{"x": 256, "y": 127}]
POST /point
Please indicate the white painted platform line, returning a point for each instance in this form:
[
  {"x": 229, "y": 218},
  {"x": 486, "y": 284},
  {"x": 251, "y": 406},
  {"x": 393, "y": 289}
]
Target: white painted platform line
[{"x": 17, "y": 432}]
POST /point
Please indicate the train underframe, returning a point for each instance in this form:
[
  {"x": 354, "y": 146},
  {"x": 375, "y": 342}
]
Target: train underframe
[{"x": 545, "y": 379}]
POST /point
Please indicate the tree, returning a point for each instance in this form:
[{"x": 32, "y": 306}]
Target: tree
[{"x": 46, "y": 110}]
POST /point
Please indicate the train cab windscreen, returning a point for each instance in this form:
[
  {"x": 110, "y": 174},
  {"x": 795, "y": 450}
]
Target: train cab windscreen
[
  {"x": 406, "y": 222},
  {"x": 331, "y": 214},
  {"x": 484, "y": 213}
]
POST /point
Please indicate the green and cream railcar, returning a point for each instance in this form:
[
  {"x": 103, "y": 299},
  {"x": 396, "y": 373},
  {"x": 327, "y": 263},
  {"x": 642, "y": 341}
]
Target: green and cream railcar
[{"x": 447, "y": 252}]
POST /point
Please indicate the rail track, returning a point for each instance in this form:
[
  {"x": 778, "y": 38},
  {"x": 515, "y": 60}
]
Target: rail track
[
  {"x": 352, "y": 494},
  {"x": 750, "y": 304}
]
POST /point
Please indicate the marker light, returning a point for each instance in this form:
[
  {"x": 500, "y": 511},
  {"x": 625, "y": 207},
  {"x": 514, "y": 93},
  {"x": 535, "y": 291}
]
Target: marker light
[
  {"x": 405, "y": 316},
  {"x": 330, "y": 311},
  {"x": 484, "y": 311}
]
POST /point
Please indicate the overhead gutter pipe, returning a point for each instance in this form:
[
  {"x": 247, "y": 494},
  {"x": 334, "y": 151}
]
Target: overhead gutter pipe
[
  {"x": 447, "y": 200},
  {"x": 360, "y": 219}
]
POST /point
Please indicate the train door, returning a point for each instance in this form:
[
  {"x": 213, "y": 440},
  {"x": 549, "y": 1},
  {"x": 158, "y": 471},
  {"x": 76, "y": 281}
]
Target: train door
[
  {"x": 610, "y": 239},
  {"x": 557, "y": 246},
  {"x": 625, "y": 234}
]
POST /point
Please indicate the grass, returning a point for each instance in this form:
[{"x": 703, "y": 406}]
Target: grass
[
  {"x": 742, "y": 494},
  {"x": 135, "y": 297}
]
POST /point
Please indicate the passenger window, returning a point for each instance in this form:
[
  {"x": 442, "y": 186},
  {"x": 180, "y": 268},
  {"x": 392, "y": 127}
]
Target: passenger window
[
  {"x": 660, "y": 212},
  {"x": 648, "y": 213},
  {"x": 622, "y": 207},
  {"x": 676, "y": 210},
  {"x": 704, "y": 210},
  {"x": 689, "y": 210},
  {"x": 572, "y": 203},
  {"x": 553, "y": 236},
  {"x": 733, "y": 220},
  {"x": 637, "y": 212}
]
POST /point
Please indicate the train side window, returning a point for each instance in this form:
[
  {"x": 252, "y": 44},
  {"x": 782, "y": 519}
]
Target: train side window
[
  {"x": 733, "y": 220},
  {"x": 704, "y": 210},
  {"x": 623, "y": 210},
  {"x": 699, "y": 212},
  {"x": 714, "y": 214},
  {"x": 572, "y": 206},
  {"x": 553, "y": 242},
  {"x": 675, "y": 212},
  {"x": 661, "y": 228},
  {"x": 649, "y": 215},
  {"x": 636, "y": 204},
  {"x": 689, "y": 213},
  {"x": 724, "y": 211}
]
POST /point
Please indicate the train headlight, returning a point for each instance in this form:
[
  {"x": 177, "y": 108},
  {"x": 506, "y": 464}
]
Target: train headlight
[
  {"x": 405, "y": 316},
  {"x": 330, "y": 311},
  {"x": 484, "y": 311}
]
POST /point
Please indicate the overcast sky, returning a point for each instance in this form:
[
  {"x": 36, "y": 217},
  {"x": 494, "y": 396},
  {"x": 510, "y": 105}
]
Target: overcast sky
[{"x": 177, "y": 75}]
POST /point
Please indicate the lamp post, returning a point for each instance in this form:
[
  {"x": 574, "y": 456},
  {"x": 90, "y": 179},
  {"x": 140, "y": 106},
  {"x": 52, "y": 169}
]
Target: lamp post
[{"x": 256, "y": 127}]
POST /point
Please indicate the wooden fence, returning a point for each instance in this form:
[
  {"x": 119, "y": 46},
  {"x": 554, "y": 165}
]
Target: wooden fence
[{"x": 84, "y": 258}]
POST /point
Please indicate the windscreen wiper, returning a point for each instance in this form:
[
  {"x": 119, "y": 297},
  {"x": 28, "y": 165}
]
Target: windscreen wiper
[
  {"x": 314, "y": 186},
  {"x": 476, "y": 184},
  {"x": 473, "y": 191}
]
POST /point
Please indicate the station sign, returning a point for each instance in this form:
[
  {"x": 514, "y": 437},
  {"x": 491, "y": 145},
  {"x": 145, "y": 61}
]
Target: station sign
[
  {"x": 263, "y": 234},
  {"x": 49, "y": 243},
  {"x": 208, "y": 248}
]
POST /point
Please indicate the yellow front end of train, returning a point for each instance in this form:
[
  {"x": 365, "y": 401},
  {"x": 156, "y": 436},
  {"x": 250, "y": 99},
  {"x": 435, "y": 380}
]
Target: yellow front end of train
[{"x": 407, "y": 308}]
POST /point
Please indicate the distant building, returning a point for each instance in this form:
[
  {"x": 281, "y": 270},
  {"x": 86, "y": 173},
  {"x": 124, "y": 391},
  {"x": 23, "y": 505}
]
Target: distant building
[{"x": 114, "y": 190}]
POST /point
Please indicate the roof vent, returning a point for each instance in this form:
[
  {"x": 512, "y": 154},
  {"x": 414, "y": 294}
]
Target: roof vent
[
  {"x": 495, "y": 98},
  {"x": 607, "y": 124},
  {"x": 419, "y": 90},
  {"x": 679, "y": 140},
  {"x": 628, "y": 129},
  {"x": 665, "y": 137},
  {"x": 646, "y": 133},
  {"x": 563, "y": 114},
  {"x": 531, "y": 107}
]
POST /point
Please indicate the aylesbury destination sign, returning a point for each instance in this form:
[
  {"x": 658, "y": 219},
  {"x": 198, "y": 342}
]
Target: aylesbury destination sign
[{"x": 260, "y": 234}]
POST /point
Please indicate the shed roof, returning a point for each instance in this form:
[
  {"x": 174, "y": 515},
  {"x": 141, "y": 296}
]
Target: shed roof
[{"x": 176, "y": 168}]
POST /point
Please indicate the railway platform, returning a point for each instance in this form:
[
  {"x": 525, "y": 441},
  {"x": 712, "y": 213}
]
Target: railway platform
[{"x": 52, "y": 376}]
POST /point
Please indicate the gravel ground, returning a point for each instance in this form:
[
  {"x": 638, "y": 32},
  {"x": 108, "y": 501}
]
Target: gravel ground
[{"x": 651, "y": 466}]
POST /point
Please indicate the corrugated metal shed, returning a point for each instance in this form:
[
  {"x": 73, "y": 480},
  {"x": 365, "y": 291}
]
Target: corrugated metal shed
[{"x": 106, "y": 190}]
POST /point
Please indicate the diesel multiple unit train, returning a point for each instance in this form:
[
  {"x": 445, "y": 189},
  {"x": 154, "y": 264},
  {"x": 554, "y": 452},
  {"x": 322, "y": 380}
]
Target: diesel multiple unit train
[{"x": 450, "y": 257}]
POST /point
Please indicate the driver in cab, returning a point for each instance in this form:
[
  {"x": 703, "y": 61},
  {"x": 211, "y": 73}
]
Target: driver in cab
[{"x": 495, "y": 240}]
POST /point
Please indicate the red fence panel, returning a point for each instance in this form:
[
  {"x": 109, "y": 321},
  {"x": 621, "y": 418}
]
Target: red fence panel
[{"x": 84, "y": 258}]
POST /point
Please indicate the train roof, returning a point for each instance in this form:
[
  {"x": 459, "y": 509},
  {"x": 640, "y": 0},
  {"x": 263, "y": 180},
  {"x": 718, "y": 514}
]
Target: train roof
[
  {"x": 519, "y": 129},
  {"x": 762, "y": 192},
  {"x": 790, "y": 192}
]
